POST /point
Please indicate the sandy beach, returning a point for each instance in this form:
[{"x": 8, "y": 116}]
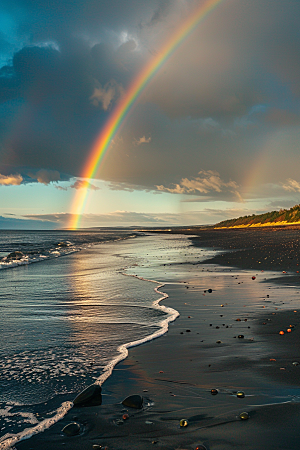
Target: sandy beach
[{"x": 226, "y": 338}]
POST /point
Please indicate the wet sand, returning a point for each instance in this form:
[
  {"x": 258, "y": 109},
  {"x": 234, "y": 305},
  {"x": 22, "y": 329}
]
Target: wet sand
[{"x": 228, "y": 340}]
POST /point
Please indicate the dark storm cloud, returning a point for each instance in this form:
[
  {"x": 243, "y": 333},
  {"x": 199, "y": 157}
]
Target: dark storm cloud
[
  {"x": 82, "y": 184},
  {"x": 61, "y": 106},
  {"x": 224, "y": 96}
]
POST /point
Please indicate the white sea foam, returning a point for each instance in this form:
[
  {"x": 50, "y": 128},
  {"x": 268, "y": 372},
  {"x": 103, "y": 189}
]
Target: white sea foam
[
  {"x": 9, "y": 440},
  {"x": 6, "y": 263}
]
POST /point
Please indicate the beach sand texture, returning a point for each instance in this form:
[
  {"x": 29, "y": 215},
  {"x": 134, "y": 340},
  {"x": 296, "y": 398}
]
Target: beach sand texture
[{"x": 227, "y": 339}]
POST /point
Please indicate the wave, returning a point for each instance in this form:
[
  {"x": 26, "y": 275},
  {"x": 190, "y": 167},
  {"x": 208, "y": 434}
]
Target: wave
[{"x": 18, "y": 258}]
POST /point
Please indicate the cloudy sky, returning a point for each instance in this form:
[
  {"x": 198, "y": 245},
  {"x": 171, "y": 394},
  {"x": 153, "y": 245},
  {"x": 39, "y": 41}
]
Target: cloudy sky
[{"x": 216, "y": 133}]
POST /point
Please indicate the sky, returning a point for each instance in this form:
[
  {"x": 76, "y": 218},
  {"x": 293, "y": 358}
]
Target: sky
[{"x": 214, "y": 135}]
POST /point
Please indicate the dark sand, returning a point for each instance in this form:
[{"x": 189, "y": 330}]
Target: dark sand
[
  {"x": 176, "y": 372},
  {"x": 266, "y": 248}
]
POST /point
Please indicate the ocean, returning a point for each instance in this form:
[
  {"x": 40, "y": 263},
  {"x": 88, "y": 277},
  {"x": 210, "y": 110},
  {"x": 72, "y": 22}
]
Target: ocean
[{"x": 71, "y": 303}]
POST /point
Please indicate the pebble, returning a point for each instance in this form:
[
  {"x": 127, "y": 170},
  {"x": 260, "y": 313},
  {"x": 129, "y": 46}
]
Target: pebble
[
  {"x": 200, "y": 447},
  {"x": 241, "y": 336},
  {"x": 244, "y": 416},
  {"x": 133, "y": 401},
  {"x": 97, "y": 446},
  {"x": 214, "y": 391},
  {"x": 295, "y": 363},
  {"x": 184, "y": 423},
  {"x": 240, "y": 394},
  {"x": 218, "y": 342},
  {"x": 72, "y": 429},
  {"x": 119, "y": 421}
]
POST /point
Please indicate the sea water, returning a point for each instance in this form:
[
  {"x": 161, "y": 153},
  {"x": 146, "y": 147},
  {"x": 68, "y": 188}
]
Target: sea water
[{"x": 68, "y": 319}]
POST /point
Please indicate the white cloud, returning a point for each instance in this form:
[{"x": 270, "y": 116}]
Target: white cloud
[
  {"x": 11, "y": 180},
  {"x": 291, "y": 185},
  {"x": 208, "y": 182},
  {"x": 142, "y": 140}
]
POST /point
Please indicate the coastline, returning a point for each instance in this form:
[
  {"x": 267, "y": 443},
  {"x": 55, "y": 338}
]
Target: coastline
[{"x": 175, "y": 374}]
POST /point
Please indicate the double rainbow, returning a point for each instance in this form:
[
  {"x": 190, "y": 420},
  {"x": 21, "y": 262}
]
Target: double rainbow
[{"x": 121, "y": 110}]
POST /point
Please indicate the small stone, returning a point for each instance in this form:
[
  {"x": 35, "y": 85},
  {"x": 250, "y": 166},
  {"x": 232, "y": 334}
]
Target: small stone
[
  {"x": 295, "y": 363},
  {"x": 184, "y": 423},
  {"x": 96, "y": 446},
  {"x": 253, "y": 278},
  {"x": 133, "y": 401},
  {"x": 240, "y": 394},
  {"x": 241, "y": 336},
  {"x": 209, "y": 290},
  {"x": 119, "y": 421},
  {"x": 200, "y": 447},
  {"x": 244, "y": 416},
  {"x": 188, "y": 331},
  {"x": 214, "y": 391},
  {"x": 218, "y": 342},
  {"x": 72, "y": 429},
  {"x": 125, "y": 416},
  {"x": 281, "y": 332},
  {"x": 91, "y": 396}
]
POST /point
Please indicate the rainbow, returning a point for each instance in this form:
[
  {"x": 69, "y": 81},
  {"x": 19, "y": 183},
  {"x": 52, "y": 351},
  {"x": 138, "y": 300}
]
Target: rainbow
[{"x": 125, "y": 104}]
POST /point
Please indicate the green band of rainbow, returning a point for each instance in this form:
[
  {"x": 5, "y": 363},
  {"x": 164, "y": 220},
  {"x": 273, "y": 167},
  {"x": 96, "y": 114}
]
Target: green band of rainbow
[{"x": 129, "y": 98}]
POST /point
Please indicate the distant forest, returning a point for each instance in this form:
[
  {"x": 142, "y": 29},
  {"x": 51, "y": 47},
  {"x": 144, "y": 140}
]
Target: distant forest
[{"x": 282, "y": 217}]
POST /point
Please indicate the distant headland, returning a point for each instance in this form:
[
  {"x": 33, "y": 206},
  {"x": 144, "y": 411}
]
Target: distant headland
[{"x": 274, "y": 218}]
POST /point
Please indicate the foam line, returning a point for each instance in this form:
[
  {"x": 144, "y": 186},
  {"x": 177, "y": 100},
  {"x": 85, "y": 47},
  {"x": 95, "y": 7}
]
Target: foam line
[
  {"x": 9, "y": 440},
  {"x": 164, "y": 326}
]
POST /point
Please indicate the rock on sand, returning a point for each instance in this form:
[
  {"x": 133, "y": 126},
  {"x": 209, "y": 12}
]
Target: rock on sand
[{"x": 91, "y": 396}]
